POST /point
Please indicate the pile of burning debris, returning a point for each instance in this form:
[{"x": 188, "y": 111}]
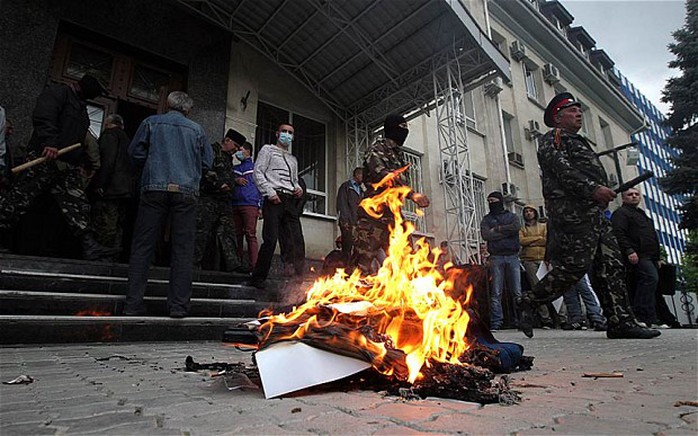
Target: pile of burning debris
[{"x": 399, "y": 330}]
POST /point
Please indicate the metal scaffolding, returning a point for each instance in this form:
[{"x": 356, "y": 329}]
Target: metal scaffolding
[{"x": 462, "y": 230}]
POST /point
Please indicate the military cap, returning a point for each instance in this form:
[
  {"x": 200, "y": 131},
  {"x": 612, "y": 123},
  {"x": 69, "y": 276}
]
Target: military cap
[
  {"x": 235, "y": 136},
  {"x": 559, "y": 102}
]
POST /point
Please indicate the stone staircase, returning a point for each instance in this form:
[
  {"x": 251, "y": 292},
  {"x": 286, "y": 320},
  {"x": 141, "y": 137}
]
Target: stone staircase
[{"x": 48, "y": 300}]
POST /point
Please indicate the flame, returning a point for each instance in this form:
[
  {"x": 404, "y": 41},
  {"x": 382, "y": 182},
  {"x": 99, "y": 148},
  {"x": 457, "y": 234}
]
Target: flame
[
  {"x": 92, "y": 312},
  {"x": 406, "y": 302}
]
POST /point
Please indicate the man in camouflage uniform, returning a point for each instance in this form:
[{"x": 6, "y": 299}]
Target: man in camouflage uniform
[
  {"x": 59, "y": 120},
  {"x": 580, "y": 238},
  {"x": 382, "y": 158},
  {"x": 215, "y": 213}
]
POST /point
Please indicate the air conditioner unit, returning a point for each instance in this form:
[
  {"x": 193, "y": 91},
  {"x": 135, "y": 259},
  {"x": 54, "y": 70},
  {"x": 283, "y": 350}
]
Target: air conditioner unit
[
  {"x": 449, "y": 172},
  {"x": 551, "y": 74},
  {"x": 518, "y": 51},
  {"x": 494, "y": 87},
  {"x": 510, "y": 190},
  {"x": 533, "y": 130},
  {"x": 516, "y": 158}
]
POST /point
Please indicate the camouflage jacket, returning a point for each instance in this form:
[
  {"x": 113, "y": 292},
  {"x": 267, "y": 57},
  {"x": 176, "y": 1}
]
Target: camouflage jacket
[
  {"x": 221, "y": 173},
  {"x": 381, "y": 159},
  {"x": 571, "y": 170}
]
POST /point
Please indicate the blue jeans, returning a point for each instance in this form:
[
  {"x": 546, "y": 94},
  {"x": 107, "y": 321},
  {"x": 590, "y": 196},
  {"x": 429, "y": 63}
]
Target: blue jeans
[
  {"x": 153, "y": 210},
  {"x": 502, "y": 267},
  {"x": 574, "y": 308}
]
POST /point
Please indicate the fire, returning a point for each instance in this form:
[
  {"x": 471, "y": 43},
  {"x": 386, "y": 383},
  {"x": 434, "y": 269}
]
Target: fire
[
  {"x": 406, "y": 302},
  {"x": 92, "y": 312}
]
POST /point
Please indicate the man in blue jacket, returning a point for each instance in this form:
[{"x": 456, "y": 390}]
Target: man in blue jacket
[
  {"x": 247, "y": 202},
  {"x": 173, "y": 151},
  {"x": 500, "y": 228}
]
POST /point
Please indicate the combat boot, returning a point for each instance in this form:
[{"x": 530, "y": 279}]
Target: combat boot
[
  {"x": 93, "y": 250},
  {"x": 525, "y": 308},
  {"x": 630, "y": 330}
]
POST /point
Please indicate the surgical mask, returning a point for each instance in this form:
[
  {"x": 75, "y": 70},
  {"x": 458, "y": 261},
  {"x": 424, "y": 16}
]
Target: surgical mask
[
  {"x": 240, "y": 155},
  {"x": 286, "y": 138}
]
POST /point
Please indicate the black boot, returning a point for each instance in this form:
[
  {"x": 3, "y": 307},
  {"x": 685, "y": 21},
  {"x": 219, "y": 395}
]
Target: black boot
[
  {"x": 93, "y": 250},
  {"x": 630, "y": 330},
  {"x": 525, "y": 308}
]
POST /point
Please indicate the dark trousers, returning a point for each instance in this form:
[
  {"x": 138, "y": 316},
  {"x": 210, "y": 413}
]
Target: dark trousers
[
  {"x": 646, "y": 280},
  {"x": 153, "y": 209},
  {"x": 347, "y": 240},
  {"x": 278, "y": 218}
]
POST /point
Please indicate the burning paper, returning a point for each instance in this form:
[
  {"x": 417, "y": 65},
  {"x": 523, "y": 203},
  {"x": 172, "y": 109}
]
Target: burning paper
[{"x": 400, "y": 320}]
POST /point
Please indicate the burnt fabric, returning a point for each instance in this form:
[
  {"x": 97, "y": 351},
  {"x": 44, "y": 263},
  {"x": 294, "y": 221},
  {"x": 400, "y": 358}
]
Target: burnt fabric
[
  {"x": 580, "y": 238},
  {"x": 371, "y": 234}
]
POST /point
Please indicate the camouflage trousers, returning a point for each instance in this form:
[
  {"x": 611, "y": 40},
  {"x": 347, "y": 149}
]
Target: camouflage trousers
[
  {"x": 214, "y": 219},
  {"x": 65, "y": 185},
  {"x": 581, "y": 243},
  {"x": 370, "y": 244},
  {"x": 108, "y": 218}
]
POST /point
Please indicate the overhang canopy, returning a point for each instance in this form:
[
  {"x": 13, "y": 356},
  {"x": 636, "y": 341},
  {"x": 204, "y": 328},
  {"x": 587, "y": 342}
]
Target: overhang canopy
[{"x": 362, "y": 57}]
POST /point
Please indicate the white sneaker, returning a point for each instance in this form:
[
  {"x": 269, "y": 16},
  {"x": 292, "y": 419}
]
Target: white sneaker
[
  {"x": 660, "y": 326},
  {"x": 641, "y": 324}
]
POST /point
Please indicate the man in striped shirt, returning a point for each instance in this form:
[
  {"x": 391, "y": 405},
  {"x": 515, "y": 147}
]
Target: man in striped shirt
[{"x": 276, "y": 175}]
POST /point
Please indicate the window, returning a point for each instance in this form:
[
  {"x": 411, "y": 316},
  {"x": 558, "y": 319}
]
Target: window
[
  {"x": 414, "y": 180},
  {"x": 501, "y": 43},
  {"x": 87, "y": 60},
  {"x": 96, "y": 115},
  {"x": 468, "y": 106},
  {"x": 510, "y": 139},
  {"x": 606, "y": 134},
  {"x": 530, "y": 80},
  {"x": 309, "y": 147}
]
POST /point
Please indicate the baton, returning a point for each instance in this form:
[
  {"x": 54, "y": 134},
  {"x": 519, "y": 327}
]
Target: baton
[
  {"x": 42, "y": 159},
  {"x": 636, "y": 181}
]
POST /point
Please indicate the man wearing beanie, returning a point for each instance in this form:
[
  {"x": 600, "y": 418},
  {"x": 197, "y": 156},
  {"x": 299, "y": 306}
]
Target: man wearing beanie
[
  {"x": 59, "y": 120},
  {"x": 500, "y": 228},
  {"x": 382, "y": 158},
  {"x": 214, "y": 219},
  {"x": 580, "y": 238}
]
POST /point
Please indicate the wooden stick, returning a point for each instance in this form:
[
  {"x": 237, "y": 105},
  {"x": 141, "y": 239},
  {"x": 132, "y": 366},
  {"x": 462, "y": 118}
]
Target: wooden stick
[
  {"x": 604, "y": 375},
  {"x": 42, "y": 159}
]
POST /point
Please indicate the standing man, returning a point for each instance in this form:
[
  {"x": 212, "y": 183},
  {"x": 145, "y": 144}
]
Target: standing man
[
  {"x": 371, "y": 235},
  {"x": 173, "y": 151},
  {"x": 639, "y": 244},
  {"x": 215, "y": 209},
  {"x": 60, "y": 120},
  {"x": 533, "y": 237},
  {"x": 349, "y": 196},
  {"x": 247, "y": 204},
  {"x": 580, "y": 238},
  {"x": 500, "y": 228},
  {"x": 276, "y": 174},
  {"x": 112, "y": 184}
]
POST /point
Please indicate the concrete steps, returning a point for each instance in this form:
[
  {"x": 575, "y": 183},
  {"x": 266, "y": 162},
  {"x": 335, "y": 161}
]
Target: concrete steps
[{"x": 46, "y": 300}]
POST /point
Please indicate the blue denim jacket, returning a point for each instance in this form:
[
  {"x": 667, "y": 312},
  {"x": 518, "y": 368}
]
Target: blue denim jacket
[{"x": 172, "y": 150}]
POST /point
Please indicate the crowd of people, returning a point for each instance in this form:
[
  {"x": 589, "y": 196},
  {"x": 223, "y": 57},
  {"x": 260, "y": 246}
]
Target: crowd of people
[{"x": 197, "y": 194}]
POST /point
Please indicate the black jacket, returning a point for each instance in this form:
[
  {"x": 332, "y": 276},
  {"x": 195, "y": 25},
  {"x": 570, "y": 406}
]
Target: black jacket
[
  {"x": 635, "y": 232},
  {"x": 116, "y": 175},
  {"x": 60, "y": 120},
  {"x": 501, "y": 231}
]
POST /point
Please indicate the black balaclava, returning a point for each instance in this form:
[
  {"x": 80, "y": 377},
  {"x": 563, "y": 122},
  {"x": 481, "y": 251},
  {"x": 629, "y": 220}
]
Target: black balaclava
[
  {"x": 499, "y": 205},
  {"x": 90, "y": 87},
  {"x": 393, "y": 130}
]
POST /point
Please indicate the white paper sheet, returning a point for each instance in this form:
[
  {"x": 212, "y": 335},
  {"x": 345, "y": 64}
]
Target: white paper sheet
[
  {"x": 291, "y": 366},
  {"x": 544, "y": 269}
]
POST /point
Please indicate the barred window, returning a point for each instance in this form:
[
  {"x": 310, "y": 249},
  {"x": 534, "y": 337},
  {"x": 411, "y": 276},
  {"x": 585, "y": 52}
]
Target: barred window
[
  {"x": 414, "y": 179},
  {"x": 309, "y": 147}
]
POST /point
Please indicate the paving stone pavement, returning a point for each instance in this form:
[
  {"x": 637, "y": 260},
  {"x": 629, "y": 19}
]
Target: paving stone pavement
[{"x": 140, "y": 388}]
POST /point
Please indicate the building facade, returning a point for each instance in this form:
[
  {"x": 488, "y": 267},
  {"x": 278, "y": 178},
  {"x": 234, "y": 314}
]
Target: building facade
[{"x": 655, "y": 155}]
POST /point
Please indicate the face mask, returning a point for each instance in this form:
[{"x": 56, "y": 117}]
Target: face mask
[
  {"x": 496, "y": 207},
  {"x": 240, "y": 155},
  {"x": 397, "y": 134},
  {"x": 286, "y": 138}
]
